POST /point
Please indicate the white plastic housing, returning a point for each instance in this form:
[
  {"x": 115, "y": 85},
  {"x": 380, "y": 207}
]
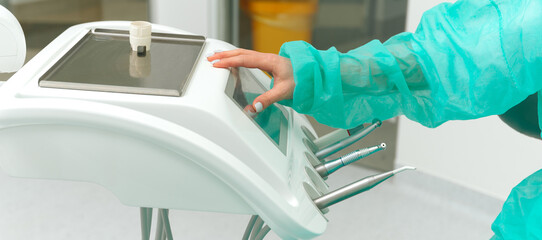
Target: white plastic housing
[
  {"x": 197, "y": 152},
  {"x": 12, "y": 42}
]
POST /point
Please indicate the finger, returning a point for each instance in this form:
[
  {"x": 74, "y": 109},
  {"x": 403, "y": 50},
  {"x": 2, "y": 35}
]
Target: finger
[
  {"x": 235, "y": 52},
  {"x": 262, "y": 61},
  {"x": 266, "y": 99},
  {"x": 231, "y": 53},
  {"x": 249, "y": 109}
]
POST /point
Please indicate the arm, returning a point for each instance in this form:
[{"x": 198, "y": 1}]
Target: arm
[{"x": 466, "y": 60}]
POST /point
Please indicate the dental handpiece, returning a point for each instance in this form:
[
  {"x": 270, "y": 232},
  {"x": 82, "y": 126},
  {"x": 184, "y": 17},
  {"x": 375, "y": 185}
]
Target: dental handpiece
[
  {"x": 347, "y": 141},
  {"x": 335, "y": 136},
  {"x": 331, "y": 166},
  {"x": 355, "y": 188}
]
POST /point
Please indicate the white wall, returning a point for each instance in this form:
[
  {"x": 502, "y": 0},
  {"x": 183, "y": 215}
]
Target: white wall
[
  {"x": 204, "y": 17},
  {"x": 187, "y": 15},
  {"x": 485, "y": 154}
]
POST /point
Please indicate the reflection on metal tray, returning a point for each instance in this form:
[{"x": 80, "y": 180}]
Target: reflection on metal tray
[{"x": 103, "y": 61}]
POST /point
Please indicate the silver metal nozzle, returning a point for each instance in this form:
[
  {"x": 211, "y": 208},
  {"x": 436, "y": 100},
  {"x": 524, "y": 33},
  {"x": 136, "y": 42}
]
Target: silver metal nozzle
[
  {"x": 355, "y": 188},
  {"x": 403, "y": 169},
  {"x": 331, "y": 166},
  {"x": 348, "y": 141}
]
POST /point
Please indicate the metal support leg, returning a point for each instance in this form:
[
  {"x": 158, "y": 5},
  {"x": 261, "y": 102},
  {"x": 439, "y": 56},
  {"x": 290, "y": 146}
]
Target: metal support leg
[
  {"x": 167, "y": 226},
  {"x": 250, "y": 225},
  {"x": 263, "y": 232},
  {"x": 257, "y": 227},
  {"x": 164, "y": 236},
  {"x": 146, "y": 221},
  {"x": 159, "y": 226},
  {"x": 149, "y": 220}
]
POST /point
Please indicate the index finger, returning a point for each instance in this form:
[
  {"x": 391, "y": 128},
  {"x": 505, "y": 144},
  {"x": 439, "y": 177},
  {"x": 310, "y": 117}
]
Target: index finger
[
  {"x": 249, "y": 59},
  {"x": 230, "y": 53}
]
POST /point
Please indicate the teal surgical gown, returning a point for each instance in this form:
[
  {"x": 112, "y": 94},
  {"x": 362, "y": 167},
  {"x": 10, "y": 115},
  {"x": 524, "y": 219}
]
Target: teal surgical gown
[{"x": 466, "y": 60}]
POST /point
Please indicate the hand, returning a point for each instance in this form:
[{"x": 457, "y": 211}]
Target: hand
[{"x": 279, "y": 67}]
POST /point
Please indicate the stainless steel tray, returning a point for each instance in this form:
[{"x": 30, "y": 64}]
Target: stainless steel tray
[{"x": 103, "y": 61}]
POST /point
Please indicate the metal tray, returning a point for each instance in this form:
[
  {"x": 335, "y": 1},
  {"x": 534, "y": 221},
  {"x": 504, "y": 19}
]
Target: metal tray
[{"x": 103, "y": 61}]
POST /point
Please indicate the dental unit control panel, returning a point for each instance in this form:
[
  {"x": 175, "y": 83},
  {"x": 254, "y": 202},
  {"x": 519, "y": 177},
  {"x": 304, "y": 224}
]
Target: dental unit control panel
[{"x": 161, "y": 128}]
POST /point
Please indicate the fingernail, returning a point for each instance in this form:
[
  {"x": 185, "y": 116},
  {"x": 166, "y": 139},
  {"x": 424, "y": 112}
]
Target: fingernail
[
  {"x": 251, "y": 113},
  {"x": 258, "y": 106},
  {"x": 209, "y": 54},
  {"x": 215, "y": 61}
]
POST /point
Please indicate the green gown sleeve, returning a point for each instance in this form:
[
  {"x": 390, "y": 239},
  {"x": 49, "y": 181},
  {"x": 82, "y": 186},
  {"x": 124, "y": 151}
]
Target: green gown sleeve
[
  {"x": 466, "y": 60},
  {"x": 521, "y": 215}
]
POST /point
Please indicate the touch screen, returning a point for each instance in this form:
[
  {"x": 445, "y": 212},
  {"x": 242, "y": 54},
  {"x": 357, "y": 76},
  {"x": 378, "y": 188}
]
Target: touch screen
[{"x": 244, "y": 88}]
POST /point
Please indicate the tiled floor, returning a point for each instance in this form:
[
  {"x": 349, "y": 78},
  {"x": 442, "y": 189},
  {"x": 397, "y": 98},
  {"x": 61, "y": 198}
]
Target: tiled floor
[{"x": 410, "y": 206}]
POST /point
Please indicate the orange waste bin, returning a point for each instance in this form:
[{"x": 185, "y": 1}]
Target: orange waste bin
[{"x": 277, "y": 21}]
